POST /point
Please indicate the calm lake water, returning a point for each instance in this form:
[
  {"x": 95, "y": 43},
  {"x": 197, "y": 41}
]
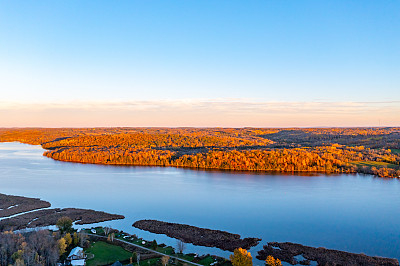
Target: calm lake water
[{"x": 356, "y": 213}]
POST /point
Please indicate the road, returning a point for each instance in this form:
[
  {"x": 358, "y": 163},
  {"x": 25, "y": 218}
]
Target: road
[{"x": 148, "y": 249}]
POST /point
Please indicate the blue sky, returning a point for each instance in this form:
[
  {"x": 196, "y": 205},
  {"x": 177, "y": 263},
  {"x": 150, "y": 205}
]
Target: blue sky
[{"x": 289, "y": 52}]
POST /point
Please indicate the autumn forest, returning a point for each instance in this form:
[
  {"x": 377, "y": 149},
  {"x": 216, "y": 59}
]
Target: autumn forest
[{"x": 316, "y": 150}]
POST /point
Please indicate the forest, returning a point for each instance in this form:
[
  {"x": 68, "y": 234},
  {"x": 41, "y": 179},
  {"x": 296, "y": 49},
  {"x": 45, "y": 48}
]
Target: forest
[{"x": 315, "y": 150}]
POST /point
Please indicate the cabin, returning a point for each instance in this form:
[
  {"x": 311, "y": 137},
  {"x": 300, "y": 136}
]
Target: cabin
[
  {"x": 77, "y": 257},
  {"x": 78, "y": 262}
]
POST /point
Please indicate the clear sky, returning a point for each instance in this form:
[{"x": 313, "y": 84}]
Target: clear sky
[{"x": 199, "y": 63}]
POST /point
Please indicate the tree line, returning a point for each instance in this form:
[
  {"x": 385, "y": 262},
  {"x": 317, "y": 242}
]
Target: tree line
[{"x": 329, "y": 150}]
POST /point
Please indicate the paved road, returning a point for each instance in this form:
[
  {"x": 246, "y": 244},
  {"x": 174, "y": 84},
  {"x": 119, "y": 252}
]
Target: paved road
[{"x": 151, "y": 250}]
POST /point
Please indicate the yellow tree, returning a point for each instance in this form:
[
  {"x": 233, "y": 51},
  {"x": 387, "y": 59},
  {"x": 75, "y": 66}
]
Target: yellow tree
[
  {"x": 62, "y": 246},
  {"x": 164, "y": 260},
  {"x": 241, "y": 257},
  {"x": 76, "y": 239},
  {"x": 271, "y": 261},
  {"x": 68, "y": 239}
]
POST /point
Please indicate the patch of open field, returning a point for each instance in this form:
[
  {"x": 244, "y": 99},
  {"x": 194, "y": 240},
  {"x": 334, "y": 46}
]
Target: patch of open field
[
  {"x": 105, "y": 254},
  {"x": 376, "y": 164}
]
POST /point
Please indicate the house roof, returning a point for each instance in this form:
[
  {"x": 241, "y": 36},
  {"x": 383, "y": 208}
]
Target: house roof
[
  {"x": 78, "y": 251},
  {"x": 117, "y": 263},
  {"x": 78, "y": 262}
]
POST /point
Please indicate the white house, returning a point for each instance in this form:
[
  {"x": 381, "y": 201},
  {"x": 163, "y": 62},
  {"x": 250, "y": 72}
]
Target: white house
[
  {"x": 77, "y": 256},
  {"x": 78, "y": 262}
]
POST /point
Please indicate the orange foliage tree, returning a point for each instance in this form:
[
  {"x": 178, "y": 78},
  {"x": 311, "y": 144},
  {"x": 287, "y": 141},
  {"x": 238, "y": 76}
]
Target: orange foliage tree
[{"x": 241, "y": 257}]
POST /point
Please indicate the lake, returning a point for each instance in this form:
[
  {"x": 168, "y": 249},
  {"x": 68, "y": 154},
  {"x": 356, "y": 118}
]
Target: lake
[{"x": 355, "y": 213}]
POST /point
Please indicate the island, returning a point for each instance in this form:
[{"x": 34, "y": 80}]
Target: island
[
  {"x": 289, "y": 251},
  {"x": 198, "y": 236}
]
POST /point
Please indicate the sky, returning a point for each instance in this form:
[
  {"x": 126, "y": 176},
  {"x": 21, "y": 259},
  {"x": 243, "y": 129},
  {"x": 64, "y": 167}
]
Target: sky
[{"x": 199, "y": 63}]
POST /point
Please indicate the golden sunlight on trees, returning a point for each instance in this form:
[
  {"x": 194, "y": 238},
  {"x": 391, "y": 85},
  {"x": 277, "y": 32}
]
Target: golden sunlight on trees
[
  {"x": 327, "y": 150},
  {"x": 68, "y": 239},
  {"x": 271, "y": 261},
  {"x": 241, "y": 257},
  {"x": 62, "y": 246}
]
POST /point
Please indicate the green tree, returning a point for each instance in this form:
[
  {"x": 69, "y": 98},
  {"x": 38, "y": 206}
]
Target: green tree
[
  {"x": 154, "y": 244},
  {"x": 64, "y": 224},
  {"x": 134, "y": 256}
]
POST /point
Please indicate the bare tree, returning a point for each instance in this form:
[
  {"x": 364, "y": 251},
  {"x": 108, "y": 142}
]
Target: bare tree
[
  {"x": 82, "y": 238},
  {"x": 180, "y": 246},
  {"x": 111, "y": 237},
  {"x": 32, "y": 248},
  {"x": 107, "y": 230},
  {"x": 138, "y": 259}
]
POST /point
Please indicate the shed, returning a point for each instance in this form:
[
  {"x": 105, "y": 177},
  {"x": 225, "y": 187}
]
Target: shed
[{"x": 78, "y": 262}]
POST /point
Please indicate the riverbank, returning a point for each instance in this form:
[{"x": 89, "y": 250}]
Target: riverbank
[
  {"x": 314, "y": 150},
  {"x": 356, "y": 213}
]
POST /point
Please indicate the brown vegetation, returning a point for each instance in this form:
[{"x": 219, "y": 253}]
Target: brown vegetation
[
  {"x": 10, "y": 205},
  {"x": 197, "y": 236},
  {"x": 288, "y": 251},
  {"x": 51, "y": 216}
]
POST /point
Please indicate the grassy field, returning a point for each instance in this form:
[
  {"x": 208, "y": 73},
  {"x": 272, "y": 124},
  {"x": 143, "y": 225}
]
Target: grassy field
[
  {"x": 105, "y": 253},
  {"x": 206, "y": 261},
  {"x": 376, "y": 164},
  {"x": 397, "y": 151}
]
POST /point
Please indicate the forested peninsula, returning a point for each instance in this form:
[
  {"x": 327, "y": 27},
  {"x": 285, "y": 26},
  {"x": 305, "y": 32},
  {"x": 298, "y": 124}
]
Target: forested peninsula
[{"x": 314, "y": 150}]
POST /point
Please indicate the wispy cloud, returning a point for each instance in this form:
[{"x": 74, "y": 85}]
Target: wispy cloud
[{"x": 205, "y": 112}]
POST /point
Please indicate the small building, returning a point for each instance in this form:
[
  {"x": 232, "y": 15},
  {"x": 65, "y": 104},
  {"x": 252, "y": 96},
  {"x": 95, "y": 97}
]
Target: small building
[
  {"x": 77, "y": 257},
  {"x": 78, "y": 262},
  {"x": 76, "y": 254}
]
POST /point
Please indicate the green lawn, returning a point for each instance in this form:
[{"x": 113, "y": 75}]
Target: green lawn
[
  {"x": 185, "y": 257},
  {"x": 396, "y": 151},
  {"x": 207, "y": 260},
  {"x": 376, "y": 164},
  {"x": 105, "y": 253},
  {"x": 148, "y": 262},
  {"x": 166, "y": 250}
]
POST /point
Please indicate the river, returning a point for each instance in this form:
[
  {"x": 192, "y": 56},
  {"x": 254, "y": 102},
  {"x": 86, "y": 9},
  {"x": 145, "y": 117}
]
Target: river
[{"x": 355, "y": 213}]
